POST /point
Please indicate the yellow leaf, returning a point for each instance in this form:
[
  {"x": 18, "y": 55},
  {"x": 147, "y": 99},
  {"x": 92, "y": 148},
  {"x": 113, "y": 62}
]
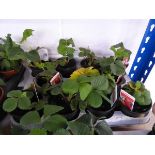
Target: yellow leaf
[{"x": 90, "y": 71}]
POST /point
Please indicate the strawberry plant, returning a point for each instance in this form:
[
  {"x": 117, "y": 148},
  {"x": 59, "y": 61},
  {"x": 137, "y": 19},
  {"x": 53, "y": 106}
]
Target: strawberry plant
[
  {"x": 91, "y": 89},
  {"x": 31, "y": 118},
  {"x": 110, "y": 65},
  {"x": 11, "y": 53},
  {"x": 138, "y": 90},
  {"x": 88, "y": 55},
  {"x": 66, "y": 49},
  {"x": 120, "y": 51}
]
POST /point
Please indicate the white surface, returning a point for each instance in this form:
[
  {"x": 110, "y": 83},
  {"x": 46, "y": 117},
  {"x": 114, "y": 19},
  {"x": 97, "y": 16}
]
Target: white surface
[
  {"x": 99, "y": 35},
  {"x": 119, "y": 119}
]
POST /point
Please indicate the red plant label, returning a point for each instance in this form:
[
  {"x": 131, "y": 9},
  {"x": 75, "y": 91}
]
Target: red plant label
[
  {"x": 56, "y": 79},
  {"x": 127, "y": 99}
]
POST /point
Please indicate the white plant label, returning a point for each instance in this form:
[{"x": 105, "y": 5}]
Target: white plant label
[{"x": 43, "y": 53}]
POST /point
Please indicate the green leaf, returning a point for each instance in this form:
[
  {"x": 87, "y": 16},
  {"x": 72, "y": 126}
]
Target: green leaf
[
  {"x": 117, "y": 68},
  {"x": 70, "y": 86},
  {"x": 100, "y": 82},
  {"x": 2, "y": 83},
  {"x": 38, "y": 132},
  {"x": 53, "y": 123},
  {"x": 106, "y": 61},
  {"x": 82, "y": 105},
  {"x": 14, "y": 93},
  {"x": 10, "y": 104},
  {"x": 50, "y": 65},
  {"x": 8, "y": 43},
  {"x": 70, "y": 42},
  {"x": 16, "y": 53},
  {"x": 138, "y": 85},
  {"x": 29, "y": 94},
  {"x": 143, "y": 97},
  {"x": 94, "y": 99},
  {"x": 56, "y": 90},
  {"x": 24, "y": 103},
  {"x": 39, "y": 105},
  {"x": 65, "y": 47},
  {"x": 86, "y": 119},
  {"x": 62, "y": 132},
  {"x": 84, "y": 79},
  {"x": 51, "y": 109},
  {"x": 33, "y": 56},
  {"x": 27, "y": 33},
  {"x": 120, "y": 51},
  {"x": 103, "y": 128},
  {"x": 70, "y": 51},
  {"x": 105, "y": 97},
  {"x": 5, "y": 64},
  {"x": 78, "y": 128},
  {"x": 29, "y": 118},
  {"x": 84, "y": 89}
]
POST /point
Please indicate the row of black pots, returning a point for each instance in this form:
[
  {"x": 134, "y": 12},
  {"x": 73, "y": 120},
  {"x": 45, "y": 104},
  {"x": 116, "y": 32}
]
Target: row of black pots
[
  {"x": 10, "y": 85},
  {"x": 15, "y": 116},
  {"x": 85, "y": 63},
  {"x": 67, "y": 69},
  {"x": 107, "y": 111}
]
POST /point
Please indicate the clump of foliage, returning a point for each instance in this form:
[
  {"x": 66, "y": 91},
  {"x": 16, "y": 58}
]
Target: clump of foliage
[
  {"x": 85, "y": 125},
  {"x": 90, "y": 71},
  {"x": 88, "y": 55},
  {"x": 11, "y": 53},
  {"x": 44, "y": 65},
  {"x": 110, "y": 65},
  {"x": 26, "y": 34},
  {"x": 114, "y": 64},
  {"x": 138, "y": 90},
  {"x": 66, "y": 48},
  {"x": 91, "y": 89},
  {"x": 120, "y": 51},
  {"x": 49, "y": 121}
]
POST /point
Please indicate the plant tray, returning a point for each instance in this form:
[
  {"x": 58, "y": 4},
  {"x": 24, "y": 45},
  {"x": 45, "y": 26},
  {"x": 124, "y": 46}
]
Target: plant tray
[{"x": 119, "y": 119}]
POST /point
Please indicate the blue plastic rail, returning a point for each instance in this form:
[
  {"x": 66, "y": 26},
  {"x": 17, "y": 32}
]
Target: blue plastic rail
[{"x": 145, "y": 58}]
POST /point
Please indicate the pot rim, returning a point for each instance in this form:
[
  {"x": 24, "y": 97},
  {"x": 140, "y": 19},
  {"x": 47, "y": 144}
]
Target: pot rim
[
  {"x": 134, "y": 114},
  {"x": 2, "y": 93},
  {"x": 12, "y": 70}
]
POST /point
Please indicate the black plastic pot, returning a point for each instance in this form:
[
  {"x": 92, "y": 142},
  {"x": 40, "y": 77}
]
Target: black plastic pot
[
  {"x": 10, "y": 85},
  {"x": 14, "y": 81},
  {"x": 104, "y": 111},
  {"x": 85, "y": 63},
  {"x": 40, "y": 81},
  {"x": 2, "y": 95},
  {"x": 35, "y": 71},
  {"x": 67, "y": 111},
  {"x": 67, "y": 69},
  {"x": 138, "y": 110},
  {"x": 8, "y": 74}
]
